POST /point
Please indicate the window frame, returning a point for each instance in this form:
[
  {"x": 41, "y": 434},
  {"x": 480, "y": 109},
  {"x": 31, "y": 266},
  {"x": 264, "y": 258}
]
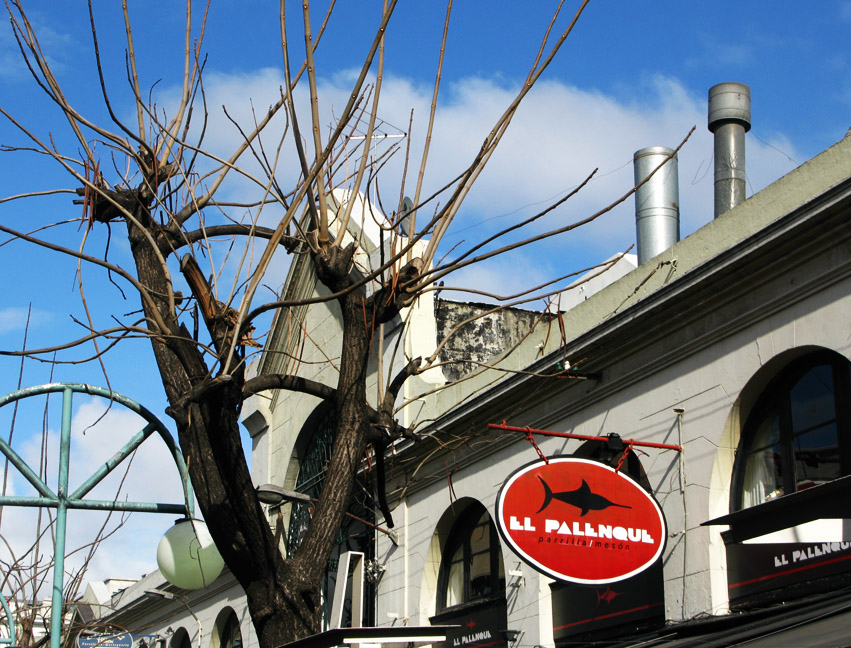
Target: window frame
[
  {"x": 460, "y": 537},
  {"x": 775, "y": 399}
]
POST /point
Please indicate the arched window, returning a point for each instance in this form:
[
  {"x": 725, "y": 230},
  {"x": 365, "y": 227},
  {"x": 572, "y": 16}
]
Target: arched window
[
  {"x": 226, "y": 633},
  {"x": 231, "y": 635},
  {"x": 471, "y": 569},
  {"x": 320, "y": 430},
  {"x": 799, "y": 433},
  {"x": 314, "y": 450},
  {"x": 611, "y": 453},
  {"x": 180, "y": 639},
  {"x": 594, "y": 615}
]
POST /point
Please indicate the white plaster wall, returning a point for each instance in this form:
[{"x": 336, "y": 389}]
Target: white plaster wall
[
  {"x": 705, "y": 384},
  {"x": 141, "y": 614}
]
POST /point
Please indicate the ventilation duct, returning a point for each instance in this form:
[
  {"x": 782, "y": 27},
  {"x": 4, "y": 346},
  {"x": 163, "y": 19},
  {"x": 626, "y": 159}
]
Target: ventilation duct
[
  {"x": 657, "y": 201},
  {"x": 729, "y": 120}
]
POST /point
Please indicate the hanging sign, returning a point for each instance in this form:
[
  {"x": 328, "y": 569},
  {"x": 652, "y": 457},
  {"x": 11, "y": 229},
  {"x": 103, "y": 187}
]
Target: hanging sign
[
  {"x": 97, "y": 640},
  {"x": 580, "y": 521}
]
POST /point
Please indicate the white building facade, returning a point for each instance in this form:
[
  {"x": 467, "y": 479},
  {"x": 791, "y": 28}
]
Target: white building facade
[{"x": 733, "y": 344}]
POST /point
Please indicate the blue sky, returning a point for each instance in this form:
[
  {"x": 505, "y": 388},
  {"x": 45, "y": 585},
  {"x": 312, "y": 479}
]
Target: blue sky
[{"x": 633, "y": 74}]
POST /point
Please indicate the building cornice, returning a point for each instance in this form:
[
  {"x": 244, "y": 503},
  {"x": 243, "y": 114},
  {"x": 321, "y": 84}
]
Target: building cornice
[{"x": 801, "y": 236}]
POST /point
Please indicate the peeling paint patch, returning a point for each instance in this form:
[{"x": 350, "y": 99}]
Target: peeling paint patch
[{"x": 480, "y": 340}]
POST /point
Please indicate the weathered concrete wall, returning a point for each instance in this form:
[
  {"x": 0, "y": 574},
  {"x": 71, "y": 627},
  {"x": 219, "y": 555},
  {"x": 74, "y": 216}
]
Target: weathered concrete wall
[{"x": 482, "y": 334}]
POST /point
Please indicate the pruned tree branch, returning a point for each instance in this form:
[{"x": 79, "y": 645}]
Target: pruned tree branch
[{"x": 197, "y": 241}]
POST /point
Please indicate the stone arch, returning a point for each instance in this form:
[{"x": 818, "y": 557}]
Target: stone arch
[
  {"x": 180, "y": 639},
  {"x": 431, "y": 570},
  {"x": 227, "y": 630}
]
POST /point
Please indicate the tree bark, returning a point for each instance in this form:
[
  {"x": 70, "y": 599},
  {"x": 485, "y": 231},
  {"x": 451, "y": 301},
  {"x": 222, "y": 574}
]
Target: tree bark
[
  {"x": 208, "y": 432},
  {"x": 283, "y": 596}
]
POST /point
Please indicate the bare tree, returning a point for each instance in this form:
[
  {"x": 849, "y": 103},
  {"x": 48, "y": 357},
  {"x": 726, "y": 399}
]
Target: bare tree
[{"x": 155, "y": 180}]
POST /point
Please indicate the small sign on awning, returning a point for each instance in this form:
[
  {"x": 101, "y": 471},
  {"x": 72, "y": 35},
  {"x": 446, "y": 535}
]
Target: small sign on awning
[{"x": 105, "y": 640}]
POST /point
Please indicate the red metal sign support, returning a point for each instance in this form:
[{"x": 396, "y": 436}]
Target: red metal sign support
[{"x": 569, "y": 435}]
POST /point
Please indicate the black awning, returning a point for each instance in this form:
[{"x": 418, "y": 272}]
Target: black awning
[
  {"x": 815, "y": 622},
  {"x": 829, "y": 500},
  {"x": 384, "y": 635}
]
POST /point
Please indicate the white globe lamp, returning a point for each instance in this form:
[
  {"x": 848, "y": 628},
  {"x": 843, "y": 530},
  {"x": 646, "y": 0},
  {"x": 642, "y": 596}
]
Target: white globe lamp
[{"x": 187, "y": 555}]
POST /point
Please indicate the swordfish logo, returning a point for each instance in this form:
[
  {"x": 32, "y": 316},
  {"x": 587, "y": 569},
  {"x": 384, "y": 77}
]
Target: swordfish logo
[
  {"x": 580, "y": 521},
  {"x": 582, "y": 498}
]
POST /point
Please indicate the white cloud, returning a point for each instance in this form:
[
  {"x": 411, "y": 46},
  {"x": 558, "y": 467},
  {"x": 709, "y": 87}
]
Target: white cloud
[
  {"x": 97, "y": 434},
  {"x": 559, "y": 135},
  {"x": 14, "y": 318},
  {"x": 58, "y": 46}
]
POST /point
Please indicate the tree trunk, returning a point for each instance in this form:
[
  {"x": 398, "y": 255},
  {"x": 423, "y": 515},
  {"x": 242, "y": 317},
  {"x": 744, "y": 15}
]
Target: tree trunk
[
  {"x": 283, "y": 596},
  {"x": 208, "y": 432},
  {"x": 349, "y": 443}
]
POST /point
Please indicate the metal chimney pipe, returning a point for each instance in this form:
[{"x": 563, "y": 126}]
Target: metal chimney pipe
[
  {"x": 657, "y": 202},
  {"x": 729, "y": 120}
]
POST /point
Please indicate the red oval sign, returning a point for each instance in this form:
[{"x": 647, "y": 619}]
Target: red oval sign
[{"x": 580, "y": 521}]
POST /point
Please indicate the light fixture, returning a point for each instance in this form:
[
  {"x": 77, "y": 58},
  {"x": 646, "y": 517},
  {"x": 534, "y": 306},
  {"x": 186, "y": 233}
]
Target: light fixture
[
  {"x": 158, "y": 593},
  {"x": 275, "y": 495},
  {"x": 510, "y": 635},
  {"x": 187, "y": 556},
  {"x": 380, "y": 637},
  {"x": 380, "y": 640}
]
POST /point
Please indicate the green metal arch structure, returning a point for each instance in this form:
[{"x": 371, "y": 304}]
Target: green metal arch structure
[
  {"x": 11, "y": 640},
  {"x": 62, "y": 500}
]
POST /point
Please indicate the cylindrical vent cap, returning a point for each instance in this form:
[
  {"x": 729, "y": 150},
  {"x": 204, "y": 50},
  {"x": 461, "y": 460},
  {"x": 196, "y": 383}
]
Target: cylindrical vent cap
[
  {"x": 729, "y": 102},
  {"x": 657, "y": 208}
]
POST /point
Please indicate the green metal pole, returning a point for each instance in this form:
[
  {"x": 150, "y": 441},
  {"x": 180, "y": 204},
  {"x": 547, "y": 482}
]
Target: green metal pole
[
  {"x": 56, "y": 611},
  {"x": 114, "y": 461},
  {"x": 16, "y": 460},
  {"x": 12, "y": 638}
]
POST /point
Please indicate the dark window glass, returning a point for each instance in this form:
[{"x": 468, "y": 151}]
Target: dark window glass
[
  {"x": 231, "y": 636},
  {"x": 798, "y": 434},
  {"x": 811, "y": 399},
  {"x": 315, "y": 457},
  {"x": 180, "y": 639},
  {"x": 472, "y": 567}
]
